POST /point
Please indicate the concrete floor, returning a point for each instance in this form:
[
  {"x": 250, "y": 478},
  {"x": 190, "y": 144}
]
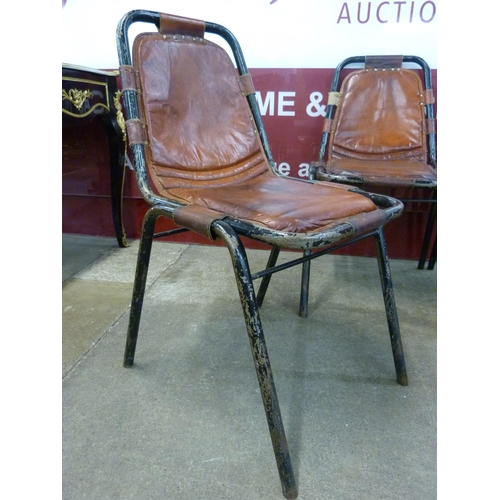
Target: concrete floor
[{"x": 187, "y": 421}]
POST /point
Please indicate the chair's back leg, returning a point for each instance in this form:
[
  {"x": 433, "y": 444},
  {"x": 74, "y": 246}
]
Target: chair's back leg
[
  {"x": 390, "y": 308},
  {"x": 141, "y": 274},
  {"x": 431, "y": 221},
  {"x": 260, "y": 356},
  {"x": 304, "y": 288},
  {"x": 273, "y": 257},
  {"x": 433, "y": 257}
]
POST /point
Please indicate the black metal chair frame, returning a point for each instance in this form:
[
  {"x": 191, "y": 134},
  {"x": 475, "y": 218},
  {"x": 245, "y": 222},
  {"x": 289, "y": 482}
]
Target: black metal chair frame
[
  {"x": 431, "y": 154},
  {"x": 229, "y": 231}
]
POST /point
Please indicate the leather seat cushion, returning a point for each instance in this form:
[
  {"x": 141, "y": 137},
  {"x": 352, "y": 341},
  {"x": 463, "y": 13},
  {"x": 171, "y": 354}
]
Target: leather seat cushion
[
  {"x": 395, "y": 172},
  {"x": 279, "y": 203}
]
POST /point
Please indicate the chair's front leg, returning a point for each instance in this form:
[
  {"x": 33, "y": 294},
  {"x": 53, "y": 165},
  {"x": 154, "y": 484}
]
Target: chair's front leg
[
  {"x": 141, "y": 274},
  {"x": 260, "y": 356},
  {"x": 390, "y": 308}
]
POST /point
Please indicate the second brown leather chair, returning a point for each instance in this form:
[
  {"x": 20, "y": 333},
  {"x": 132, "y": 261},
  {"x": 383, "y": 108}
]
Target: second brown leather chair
[{"x": 380, "y": 131}]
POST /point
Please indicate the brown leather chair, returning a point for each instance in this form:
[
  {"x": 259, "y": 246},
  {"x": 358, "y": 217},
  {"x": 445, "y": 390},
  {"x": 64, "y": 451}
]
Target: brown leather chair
[
  {"x": 380, "y": 132},
  {"x": 202, "y": 159}
]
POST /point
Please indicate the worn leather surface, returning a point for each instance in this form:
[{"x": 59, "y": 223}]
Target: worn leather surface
[
  {"x": 171, "y": 24},
  {"x": 198, "y": 123},
  {"x": 280, "y": 203},
  {"x": 379, "y": 128},
  {"x": 203, "y": 148},
  {"x": 379, "y": 117},
  {"x": 395, "y": 172}
]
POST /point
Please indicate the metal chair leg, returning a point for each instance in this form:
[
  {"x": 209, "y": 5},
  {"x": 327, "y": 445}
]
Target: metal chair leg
[
  {"x": 304, "y": 288},
  {"x": 141, "y": 274},
  {"x": 273, "y": 257},
  {"x": 260, "y": 356},
  {"x": 433, "y": 257},
  {"x": 390, "y": 308},
  {"x": 304, "y": 291},
  {"x": 431, "y": 221}
]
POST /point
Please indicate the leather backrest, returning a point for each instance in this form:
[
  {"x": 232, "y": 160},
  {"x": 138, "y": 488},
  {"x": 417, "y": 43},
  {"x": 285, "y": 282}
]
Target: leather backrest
[
  {"x": 380, "y": 116},
  {"x": 198, "y": 123}
]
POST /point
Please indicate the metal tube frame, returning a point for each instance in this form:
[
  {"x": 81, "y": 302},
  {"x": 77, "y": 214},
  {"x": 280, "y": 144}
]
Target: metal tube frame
[{"x": 250, "y": 307}]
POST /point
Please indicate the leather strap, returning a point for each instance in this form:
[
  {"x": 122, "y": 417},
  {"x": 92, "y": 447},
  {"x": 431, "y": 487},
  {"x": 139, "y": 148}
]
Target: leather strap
[
  {"x": 428, "y": 97},
  {"x": 197, "y": 218},
  {"x": 430, "y": 126},
  {"x": 383, "y": 62},
  {"x": 333, "y": 98},
  {"x": 246, "y": 84},
  {"x": 136, "y": 131},
  {"x": 327, "y": 125},
  {"x": 128, "y": 78},
  {"x": 177, "y": 25},
  {"x": 368, "y": 222}
]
